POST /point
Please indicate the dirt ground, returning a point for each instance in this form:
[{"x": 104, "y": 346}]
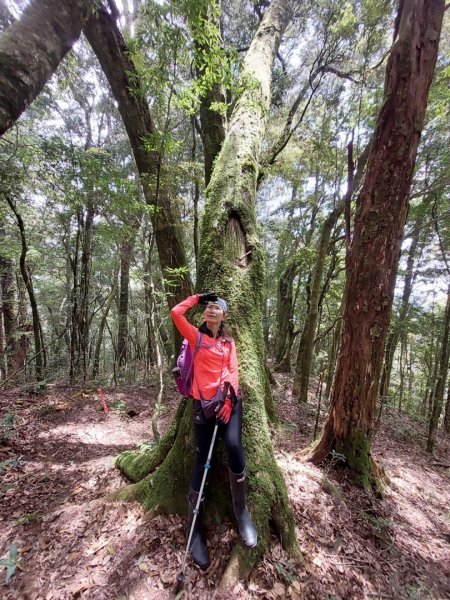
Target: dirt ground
[{"x": 56, "y": 459}]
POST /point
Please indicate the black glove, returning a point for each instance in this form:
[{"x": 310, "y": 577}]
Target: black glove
[{"x": 207, "y": 297}]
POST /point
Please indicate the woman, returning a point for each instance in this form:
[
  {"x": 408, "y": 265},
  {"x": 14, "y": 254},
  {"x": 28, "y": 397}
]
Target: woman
[{"x": 215, "y": 362}]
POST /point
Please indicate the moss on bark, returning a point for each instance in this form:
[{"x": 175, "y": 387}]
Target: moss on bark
[
  {"x": 136, "y": 465},
  {"x": 231, "y": 261},
  {"x": 373, "y": 256}
]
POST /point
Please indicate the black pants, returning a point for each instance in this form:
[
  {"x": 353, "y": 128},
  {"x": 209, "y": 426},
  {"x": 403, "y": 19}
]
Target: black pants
[{"x": 231, "y": 433}]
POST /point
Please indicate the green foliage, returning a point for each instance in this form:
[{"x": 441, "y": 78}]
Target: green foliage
[
  {"x": 7, "y": 425},
  {"x": 28, "y": 518},
  {"x": 119, "y": 405},
  {"x": 287, "y": 571},
  {"x": 11, "y": 562},
  {"x": 346, "y": 21}
]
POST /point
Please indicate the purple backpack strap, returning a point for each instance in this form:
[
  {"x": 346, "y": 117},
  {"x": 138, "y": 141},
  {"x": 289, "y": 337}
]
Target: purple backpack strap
[{"x": 197, "y": 346}]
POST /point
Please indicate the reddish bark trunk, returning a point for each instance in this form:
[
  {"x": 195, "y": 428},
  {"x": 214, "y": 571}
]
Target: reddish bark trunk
[{"x": 374, "y": 252}]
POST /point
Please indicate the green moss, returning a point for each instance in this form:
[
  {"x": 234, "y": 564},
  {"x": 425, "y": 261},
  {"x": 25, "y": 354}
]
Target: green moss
[
  {"x": 136, "y": 465},
  {"x": 356, "y": 450},
  {"x": 231, "y": 194}
]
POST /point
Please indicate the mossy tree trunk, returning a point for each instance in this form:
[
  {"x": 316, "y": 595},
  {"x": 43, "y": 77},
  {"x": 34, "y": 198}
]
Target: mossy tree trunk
[
  {"x": 231, "y": 261},
  {"x": 372, "y": 259}
]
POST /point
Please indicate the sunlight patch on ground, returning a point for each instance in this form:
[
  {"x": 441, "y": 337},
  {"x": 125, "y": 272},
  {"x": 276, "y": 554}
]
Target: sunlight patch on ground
[{"x": 88, "y": 433}]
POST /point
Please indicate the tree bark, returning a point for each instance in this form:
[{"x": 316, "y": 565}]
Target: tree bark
[
  {"x": 31, "y": 50},
  {"x": 85, "y": 287},
  {"x": 306, "y": 348},
  {"x": 213, "y": 127},
  {"x": 8, "y": 311},
  {"x": 333, "y": 351},
  {"x": 110, "y": 48},
  {"x": 122, "y": 334},
  {"x": 284, "y": 317},
  {"x": 213, "y": 122},
  {"x": 439, "y": 387},
  {"x": 74, "y": 337},
  {"x": 447, "y": 410},
  {"x": 394, "y": 334},
  {"x": 373, "y": 255},
  {"x": 231, "y": 261},
  {"x": 305, "y": 352},
  {"x": 3, "y": 370},
  {"x": 38, "y": 342},
  {"x": 101, "y": 330}
]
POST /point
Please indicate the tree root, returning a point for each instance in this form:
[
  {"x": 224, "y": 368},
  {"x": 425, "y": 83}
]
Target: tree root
[
  {"x": 136, "y": 465},
  {"x": 357, "y": 459}
]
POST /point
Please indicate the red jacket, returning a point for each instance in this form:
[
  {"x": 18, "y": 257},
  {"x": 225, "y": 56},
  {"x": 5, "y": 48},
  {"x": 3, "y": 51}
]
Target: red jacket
[{"x": 215, "y": 361}]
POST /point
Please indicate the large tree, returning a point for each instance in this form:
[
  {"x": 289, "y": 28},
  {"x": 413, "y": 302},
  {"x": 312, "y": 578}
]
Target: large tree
[
  {"x": 31, "y": 50},
  {"x": 373, "y": 256},
  {"x": 111, "y": 50},
  {"x": 231, "y": 261}
]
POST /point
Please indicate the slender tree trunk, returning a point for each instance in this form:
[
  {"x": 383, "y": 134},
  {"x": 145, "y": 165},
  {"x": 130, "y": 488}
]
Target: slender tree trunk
[
  {"x": 8, "y": 311},
  {"x": 417, "y": 243},
  {"x": 85, "y": 286},
  {"x": 196, "y": 195},
  {"x": 101, "y": 330},
  {"x": 38, "y": 346},
  {"x": 447, "y": 410},
  {"x": 3, "y": 370},
  {"x": 213, "y": 122},
  {"x": 306, "y": 348},
  {"x": 333, "y": 355},
  {"x": 231, "y": 261},
  {"x": 23, "y": 327},
  {"x": 31, "y": 50},
  {"x": 373, "y": 255},
  {"x": 401, "y": 369},
  {"x": 434, "y": 367},
  {"x": 156, "y": 345},
  {"x": 305, "y": 353},
  {"x": 442, "y": 372},
  {"x": 410, "y": 379},
  {"x": 122, "y": 335},
  {"x": 74, "y": 346},
  {"x": 284, "y": 319}
]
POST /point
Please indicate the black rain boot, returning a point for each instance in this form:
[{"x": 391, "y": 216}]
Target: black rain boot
[
  {"x": 247, "y": 530},
  {"x": 198, "y": 548}
]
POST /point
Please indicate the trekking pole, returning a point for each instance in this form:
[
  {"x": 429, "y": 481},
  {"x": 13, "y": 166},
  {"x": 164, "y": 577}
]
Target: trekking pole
[{"x": 180, "y": 576}]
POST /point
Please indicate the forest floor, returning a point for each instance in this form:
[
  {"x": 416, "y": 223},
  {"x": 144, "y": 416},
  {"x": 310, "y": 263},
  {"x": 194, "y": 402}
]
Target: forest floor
[{"x": 56, "y": 457}]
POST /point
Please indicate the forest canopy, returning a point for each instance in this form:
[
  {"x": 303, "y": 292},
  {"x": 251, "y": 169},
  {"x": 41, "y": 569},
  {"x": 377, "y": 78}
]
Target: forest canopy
[{"x": 291, "y": 156}]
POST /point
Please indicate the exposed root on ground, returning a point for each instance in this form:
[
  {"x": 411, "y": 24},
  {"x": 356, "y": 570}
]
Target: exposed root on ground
[{"x": 138, "y": 464}]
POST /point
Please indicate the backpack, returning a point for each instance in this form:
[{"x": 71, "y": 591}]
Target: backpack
[{"x": 183, "y": 373}]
